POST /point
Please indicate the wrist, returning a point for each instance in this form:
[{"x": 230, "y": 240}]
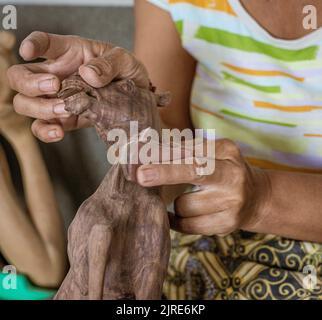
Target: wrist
[{"x": 260, "y": 199}]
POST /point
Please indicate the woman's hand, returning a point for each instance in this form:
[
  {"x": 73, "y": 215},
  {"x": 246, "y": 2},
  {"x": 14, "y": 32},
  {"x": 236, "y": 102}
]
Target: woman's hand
[
  {"x": 98, "y": 63},
  {"x": 229, "y": 199}
]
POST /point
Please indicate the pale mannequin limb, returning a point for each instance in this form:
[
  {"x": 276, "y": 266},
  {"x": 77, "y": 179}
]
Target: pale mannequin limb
[{"x": 34, "y": 241}]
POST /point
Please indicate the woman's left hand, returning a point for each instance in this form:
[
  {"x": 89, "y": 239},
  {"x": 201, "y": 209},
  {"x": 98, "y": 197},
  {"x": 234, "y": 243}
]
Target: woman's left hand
[{"x": 230, "y": 198}]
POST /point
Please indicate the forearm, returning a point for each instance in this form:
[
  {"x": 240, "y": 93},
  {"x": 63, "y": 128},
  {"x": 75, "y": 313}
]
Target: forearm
[{"x": 292, "y": 206}]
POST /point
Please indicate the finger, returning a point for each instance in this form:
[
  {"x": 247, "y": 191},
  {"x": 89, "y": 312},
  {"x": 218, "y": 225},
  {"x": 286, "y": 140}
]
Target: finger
[
  {"x": 219, "y": 224},
  {"x": 74, "y": 122},
  {"x": 200, "y": 225},
  {"x": 45, "y": 45},
  {"x": 203, "y": 202},
  {"x": 176, "y": 147},
  {"x": 169, "y": 174},
  {"x": 32, "y": 80},
  {"x": 204, "y": 150},
  {"x": 40, "y": 108},
  {"x": 115, "y": 63},
  {"x": 47, "y": 132}
]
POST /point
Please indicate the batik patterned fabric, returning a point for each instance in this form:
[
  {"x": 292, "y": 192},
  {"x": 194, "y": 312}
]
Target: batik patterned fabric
[
  {"x": 265, "y": 94},
  {"x": 243, "y": 266}
]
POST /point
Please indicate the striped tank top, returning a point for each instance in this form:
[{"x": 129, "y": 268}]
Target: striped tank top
[{"x": 262, "y": 92}]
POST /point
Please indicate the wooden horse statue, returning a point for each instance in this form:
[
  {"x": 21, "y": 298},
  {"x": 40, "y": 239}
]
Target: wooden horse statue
[{"x": 119, "y": 241}]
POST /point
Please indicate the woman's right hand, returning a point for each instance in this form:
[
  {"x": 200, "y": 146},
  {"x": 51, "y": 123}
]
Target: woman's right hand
[{"x": 98, "y": 63}]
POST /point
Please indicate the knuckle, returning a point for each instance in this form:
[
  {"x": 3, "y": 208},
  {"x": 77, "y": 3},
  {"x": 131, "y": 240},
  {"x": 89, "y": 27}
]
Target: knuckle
[
  {"x": 44, "y": 109},
  {"x": 229, "y": 148},
  {"x": 237, "y": 172}
]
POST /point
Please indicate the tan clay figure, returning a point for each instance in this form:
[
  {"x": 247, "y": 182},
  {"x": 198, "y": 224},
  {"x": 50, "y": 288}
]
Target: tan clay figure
[
  {"x": 119, "y": 241},
  {"x": 32, "y": 241}
]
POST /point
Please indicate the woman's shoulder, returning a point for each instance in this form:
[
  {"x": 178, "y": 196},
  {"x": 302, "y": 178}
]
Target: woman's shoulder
[{"x": 163, "y": 4}]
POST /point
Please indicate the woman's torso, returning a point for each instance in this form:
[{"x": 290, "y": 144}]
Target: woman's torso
[{"x": 265, "y": 93}]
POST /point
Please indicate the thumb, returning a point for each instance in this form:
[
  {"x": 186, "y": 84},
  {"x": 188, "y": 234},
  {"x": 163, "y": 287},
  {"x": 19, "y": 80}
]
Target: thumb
[
  {"x": 92, "y": 73},
  {"x": 116, "y": 63}
]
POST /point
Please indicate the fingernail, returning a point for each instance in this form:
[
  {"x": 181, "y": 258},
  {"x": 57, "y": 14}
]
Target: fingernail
[
  {"x": 27, "y": 49},
  {"x": 47, "y": 85},
  {"x": 95, "y": 68},
  {"x": 53, "y": 134},
  {"x": 149, "y": 175},
  {"x": 28, "y": 42},
  {"x": 59, "y": 109}
]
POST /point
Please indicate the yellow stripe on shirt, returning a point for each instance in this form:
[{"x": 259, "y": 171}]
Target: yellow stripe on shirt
[{"x": 219, "y": 5}]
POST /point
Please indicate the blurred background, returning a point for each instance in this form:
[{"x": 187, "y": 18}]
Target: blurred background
[{"x": 78, "y": 163}]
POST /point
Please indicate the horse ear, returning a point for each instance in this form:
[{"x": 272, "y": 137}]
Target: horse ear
[
  {"x": 163, "y": 99},
  {"x": 7, "y": 40}
]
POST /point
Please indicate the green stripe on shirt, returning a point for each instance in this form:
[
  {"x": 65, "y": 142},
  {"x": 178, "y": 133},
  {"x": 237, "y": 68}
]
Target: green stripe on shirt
[
  {"x": 245, "y": 117},
  {"x": 268, "y": 89},
  {"x": 248, "y": 44},
  {"x": 179, "y": 26}
]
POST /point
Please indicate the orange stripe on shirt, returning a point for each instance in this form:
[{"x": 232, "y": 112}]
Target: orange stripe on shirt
[
  {"x": 267, "y": 105},
  {"x": 269, "y": 165},
  {"x": 313, "y": 135},
  {"x": 219, "y": 5},
  {"x": 207, "y": 111},
  {"x": 262, "y": 73}
]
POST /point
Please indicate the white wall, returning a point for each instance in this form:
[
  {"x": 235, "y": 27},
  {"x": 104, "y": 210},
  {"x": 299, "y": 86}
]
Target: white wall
[{"x": 71, "y": 2}]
